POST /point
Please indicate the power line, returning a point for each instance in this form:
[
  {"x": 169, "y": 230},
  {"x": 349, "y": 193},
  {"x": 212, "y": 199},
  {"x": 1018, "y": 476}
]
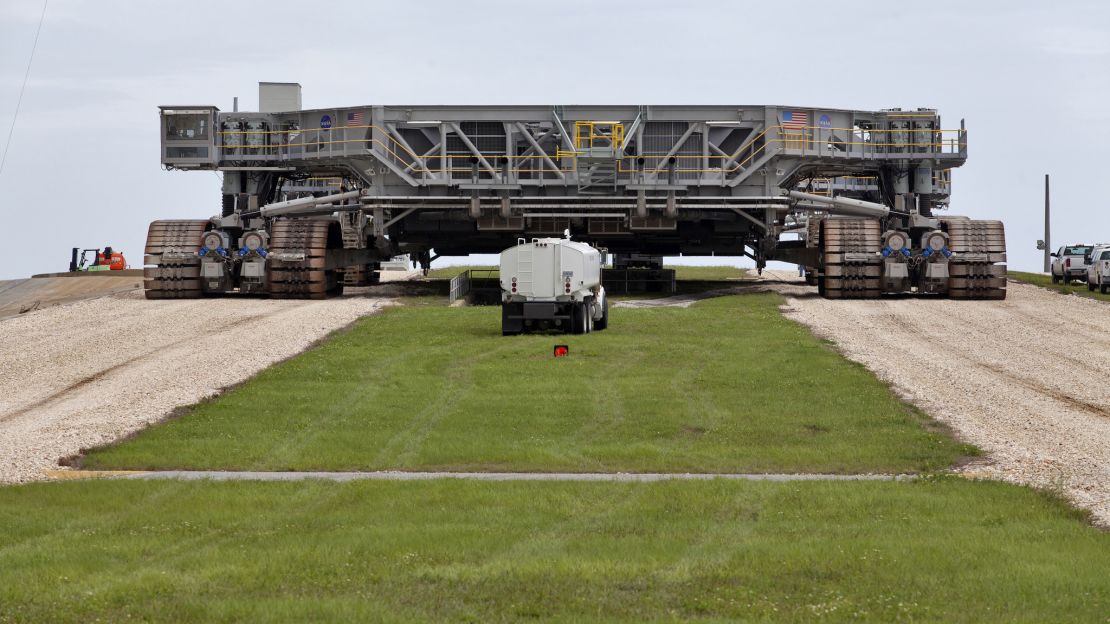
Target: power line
[{"x": 23, "y": 88}]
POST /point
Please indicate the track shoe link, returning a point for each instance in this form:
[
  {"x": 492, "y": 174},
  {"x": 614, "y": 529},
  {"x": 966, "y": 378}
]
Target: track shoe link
[
  {"x": 360, "y": 275},
  {"x": 852, "y": 265},
  {"x": 173, "y": 267},
  {"x": 978, "y": 249},
  {"x": 298, "y": 257}
]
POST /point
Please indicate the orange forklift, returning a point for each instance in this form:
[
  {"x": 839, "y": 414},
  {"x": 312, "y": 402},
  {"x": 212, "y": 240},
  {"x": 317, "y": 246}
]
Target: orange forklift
[{"x": 106, "y": 259}]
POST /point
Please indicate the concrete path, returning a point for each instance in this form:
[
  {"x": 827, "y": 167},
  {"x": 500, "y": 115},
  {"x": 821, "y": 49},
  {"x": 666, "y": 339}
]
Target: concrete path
[{"x": 394, "y": 475}]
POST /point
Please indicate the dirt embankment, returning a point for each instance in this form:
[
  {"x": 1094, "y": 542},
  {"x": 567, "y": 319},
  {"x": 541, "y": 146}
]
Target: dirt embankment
[{"x": 25, "y": 295}]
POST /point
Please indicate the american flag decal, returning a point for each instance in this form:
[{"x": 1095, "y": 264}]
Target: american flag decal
[
  {"x": 354, "y": 119},
  {"x": 794, "y": 120}
]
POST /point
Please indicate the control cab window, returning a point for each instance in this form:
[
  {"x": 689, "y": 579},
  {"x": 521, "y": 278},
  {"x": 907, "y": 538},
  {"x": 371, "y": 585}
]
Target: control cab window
[{"x": 186, "y": 127}]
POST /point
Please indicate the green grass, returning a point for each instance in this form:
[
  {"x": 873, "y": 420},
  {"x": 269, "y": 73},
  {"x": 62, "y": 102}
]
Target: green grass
[
  {"x": 726, "y": 385},
  {"x": 943, "y": 550},
  {"x": 451, "y": 271},
  {"x": 708, "y": 273},
  {"x": 1045, "y": 281}
]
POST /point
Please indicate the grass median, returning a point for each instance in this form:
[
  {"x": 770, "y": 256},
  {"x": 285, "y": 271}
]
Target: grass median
[
  {"x": 727, "y": 385},
  {"x": 937, "y": 550}
]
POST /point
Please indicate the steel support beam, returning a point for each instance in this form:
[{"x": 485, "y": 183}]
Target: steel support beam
[
  {"x": 424, "y": 158},
  {"x": 536, "y": 146},
  {"x": 747, "y": 216},
  {"x": 385, "y": 226},
  {"x": 474, "y": 150},
  {"x": 674, "y": 150},
  {"x": 399, "y": 138}
]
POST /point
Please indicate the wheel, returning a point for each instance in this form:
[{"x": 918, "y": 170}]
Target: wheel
[
  {"x": 604, "y": 322},
  {"x": 1105, "y": 288},
  {"x": 1090, "y": 287},
  {"x": 578, "y": 318},
  {"x": 1055, "y": 280}
]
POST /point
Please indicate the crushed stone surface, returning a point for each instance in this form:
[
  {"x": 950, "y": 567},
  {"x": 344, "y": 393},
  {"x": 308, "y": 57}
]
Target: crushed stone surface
[
  {"x": 1026, "y": 379},
  {"x": 84, "y": 374}
]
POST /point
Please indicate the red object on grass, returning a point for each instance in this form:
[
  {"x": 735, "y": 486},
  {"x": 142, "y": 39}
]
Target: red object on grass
[{"x": 562, "y": 350}]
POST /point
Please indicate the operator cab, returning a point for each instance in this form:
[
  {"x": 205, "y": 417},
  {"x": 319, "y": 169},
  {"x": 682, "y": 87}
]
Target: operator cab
[{"x": 189, "y": 136}]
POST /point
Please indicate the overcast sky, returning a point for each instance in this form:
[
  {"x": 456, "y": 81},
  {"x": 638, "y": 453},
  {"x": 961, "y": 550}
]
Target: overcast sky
[{"x": 1032, "y": 79}]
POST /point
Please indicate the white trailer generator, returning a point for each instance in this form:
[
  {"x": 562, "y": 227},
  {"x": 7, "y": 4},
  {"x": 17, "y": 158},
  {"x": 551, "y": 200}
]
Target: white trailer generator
[{"x": 552, "y": 283}]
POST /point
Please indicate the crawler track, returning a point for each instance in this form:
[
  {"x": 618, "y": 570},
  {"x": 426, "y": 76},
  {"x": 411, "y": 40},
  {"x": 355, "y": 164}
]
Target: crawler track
[
  {"x": 980, "y": 277},
  {"x": 297, "y": 268},
  {"x": 360, "y": 275},
  {"x": 852, "y": 266},
  {"x": 173, "y": 270}
]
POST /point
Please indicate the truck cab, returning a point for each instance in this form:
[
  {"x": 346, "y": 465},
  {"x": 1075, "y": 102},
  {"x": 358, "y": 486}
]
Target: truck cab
[
  {"x": 1098, "y": 269},
  {"x": 1069, "y": 263}
]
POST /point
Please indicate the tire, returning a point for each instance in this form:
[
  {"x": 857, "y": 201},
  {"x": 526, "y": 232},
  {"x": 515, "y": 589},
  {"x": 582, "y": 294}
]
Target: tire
[
  {"x": 576, "y": 319},
  {"x": 1090, "y": 287},
  {"x": 1055, "y": 280},
  {"x": 604, "y": 322},
  {"x": 1104, "y": 289}
]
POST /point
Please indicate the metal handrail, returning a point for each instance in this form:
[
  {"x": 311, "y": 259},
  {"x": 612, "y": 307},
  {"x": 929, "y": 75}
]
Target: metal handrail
[{"x": 800, "y": 138}]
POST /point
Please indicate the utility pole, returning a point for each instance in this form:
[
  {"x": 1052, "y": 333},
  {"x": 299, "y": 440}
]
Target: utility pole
[{"x": 1047, "y": 230}]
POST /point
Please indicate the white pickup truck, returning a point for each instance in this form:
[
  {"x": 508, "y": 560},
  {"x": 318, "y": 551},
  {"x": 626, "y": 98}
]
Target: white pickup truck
[
  {"x": 1098, "y": 269},
  {"x": 1069, "y": 263}
]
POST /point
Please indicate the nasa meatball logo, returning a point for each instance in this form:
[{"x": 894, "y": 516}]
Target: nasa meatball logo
[{"x": 325, "y": 122}]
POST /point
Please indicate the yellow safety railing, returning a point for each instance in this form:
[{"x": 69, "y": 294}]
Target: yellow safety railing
[{"x": 590, "y": 134}]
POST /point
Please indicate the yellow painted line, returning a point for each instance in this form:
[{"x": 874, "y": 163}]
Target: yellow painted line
[{"x": 73, "y": 475}]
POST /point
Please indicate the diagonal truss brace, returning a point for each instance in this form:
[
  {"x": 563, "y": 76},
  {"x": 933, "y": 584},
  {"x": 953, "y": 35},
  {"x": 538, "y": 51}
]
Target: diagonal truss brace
[
  {"x": 474, "y": 150},
  {"x": 536, "y": 146}
]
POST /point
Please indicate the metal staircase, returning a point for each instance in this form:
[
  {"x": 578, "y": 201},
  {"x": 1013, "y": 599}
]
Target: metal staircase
[{"x": 597, "y": 176}]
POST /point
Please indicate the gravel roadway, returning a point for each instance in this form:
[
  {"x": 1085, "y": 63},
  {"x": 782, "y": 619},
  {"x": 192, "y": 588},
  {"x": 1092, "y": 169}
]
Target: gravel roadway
[
  {"x": 1026, "y": 379},
  {"x": 87, "y": 373}
]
